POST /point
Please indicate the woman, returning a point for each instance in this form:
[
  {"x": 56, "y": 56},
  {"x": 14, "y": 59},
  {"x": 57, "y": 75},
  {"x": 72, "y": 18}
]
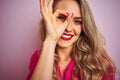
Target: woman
[{"x": 73, "y": 48}]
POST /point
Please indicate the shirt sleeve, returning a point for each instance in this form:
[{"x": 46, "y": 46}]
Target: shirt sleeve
[{"x": 32, "y": 64}]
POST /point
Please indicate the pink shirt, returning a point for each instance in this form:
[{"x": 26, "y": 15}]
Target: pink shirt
[{"x": 68, "y": 73}]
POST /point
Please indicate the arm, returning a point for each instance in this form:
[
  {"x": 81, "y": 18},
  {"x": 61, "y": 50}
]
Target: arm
[
  {"x": 54, "y": 29},
  {"x": 44, "y": 67}
]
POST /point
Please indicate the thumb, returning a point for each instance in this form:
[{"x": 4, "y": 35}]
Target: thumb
[{"x": 66, "y": 22}]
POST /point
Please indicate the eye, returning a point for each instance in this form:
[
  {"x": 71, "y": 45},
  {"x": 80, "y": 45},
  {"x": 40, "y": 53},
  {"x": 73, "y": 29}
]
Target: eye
[
  {"x": 77, "y": 22},
  {"x": 62, "y": 18}
]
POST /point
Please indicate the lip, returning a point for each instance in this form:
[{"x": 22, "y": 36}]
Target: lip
[{"x": 66, "y": 37}]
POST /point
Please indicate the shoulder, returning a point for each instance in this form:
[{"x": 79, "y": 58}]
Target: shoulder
[
  {"x": 110, "y": 73},
  {"x": 111, "y": 76},
  {"x": 35, "y": 54},
  {"x": 33, "y": 62},
  {"x": 34, "y": 59}
]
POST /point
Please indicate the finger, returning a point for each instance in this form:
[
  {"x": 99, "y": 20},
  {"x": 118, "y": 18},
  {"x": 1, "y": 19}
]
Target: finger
[
  {"x": 41, "y": 4},
  {"x": 68, "y": 19},
  {"x": 46, "y": 5},
  {"x": 59, "y": 12},
  {"x": 50, "y": 6},
  {"x": 42, "y": 7}
]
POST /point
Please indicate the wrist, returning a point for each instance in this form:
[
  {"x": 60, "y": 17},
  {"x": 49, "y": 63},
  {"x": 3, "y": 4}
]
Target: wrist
[
  {"x": 54, "y": 37},
  {"x": 49, "y": 41}
]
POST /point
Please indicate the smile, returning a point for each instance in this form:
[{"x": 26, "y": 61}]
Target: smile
[{"x": 66, "y": 37}]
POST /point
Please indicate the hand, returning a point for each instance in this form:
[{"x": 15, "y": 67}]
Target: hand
[{"x": 53, "y": 26}]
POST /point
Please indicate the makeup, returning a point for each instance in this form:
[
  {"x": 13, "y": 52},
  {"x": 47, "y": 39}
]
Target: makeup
[{"x": 66, "y": 37}]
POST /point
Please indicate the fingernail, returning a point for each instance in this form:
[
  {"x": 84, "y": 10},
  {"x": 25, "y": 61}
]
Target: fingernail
[
  {"x": 67, "y": 13},
  {"x": 72, "y": 15}
]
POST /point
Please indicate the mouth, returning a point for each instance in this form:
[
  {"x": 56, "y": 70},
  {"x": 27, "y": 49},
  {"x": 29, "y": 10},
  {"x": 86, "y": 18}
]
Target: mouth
[{"x": 66, "y": 37}]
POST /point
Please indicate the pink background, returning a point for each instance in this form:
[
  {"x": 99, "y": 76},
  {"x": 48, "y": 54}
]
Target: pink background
[{"x": 19, "y": 33}]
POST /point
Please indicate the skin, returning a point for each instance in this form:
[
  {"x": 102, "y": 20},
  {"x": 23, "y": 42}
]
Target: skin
[
  {"x": 55, "y": 27},
  {"x": 73, "y": 28}
]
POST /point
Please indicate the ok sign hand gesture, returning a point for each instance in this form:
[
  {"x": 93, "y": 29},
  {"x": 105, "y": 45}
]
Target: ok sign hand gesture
[{"x": 53, "y": 25}]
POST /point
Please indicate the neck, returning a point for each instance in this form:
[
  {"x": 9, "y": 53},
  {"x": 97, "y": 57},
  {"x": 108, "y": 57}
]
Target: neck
[{"x": 64, "y": 53}]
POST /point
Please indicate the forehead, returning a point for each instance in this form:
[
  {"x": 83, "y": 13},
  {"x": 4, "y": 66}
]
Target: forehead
[{"x": 71, "y": 6}]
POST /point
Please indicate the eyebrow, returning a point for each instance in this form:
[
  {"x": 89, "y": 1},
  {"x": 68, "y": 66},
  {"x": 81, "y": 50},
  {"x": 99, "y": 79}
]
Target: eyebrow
[{"x": 78, "y": 18}]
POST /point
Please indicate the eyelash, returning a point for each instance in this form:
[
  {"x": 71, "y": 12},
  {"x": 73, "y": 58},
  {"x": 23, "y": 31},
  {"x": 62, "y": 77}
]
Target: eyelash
[
  {"x": 78, "y": 22},
  {"x": 62, "y": 18}
]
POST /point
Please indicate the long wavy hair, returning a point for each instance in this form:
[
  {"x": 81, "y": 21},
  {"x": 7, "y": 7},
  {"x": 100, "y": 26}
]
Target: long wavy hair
[{"x": 89, "y": 54}]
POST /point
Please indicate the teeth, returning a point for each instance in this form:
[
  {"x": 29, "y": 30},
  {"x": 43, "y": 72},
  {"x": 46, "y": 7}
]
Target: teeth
[{"x": 66, "y": 36}]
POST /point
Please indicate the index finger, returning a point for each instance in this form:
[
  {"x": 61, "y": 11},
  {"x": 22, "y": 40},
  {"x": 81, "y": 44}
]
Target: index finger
[{"x": 58, "y": 12}]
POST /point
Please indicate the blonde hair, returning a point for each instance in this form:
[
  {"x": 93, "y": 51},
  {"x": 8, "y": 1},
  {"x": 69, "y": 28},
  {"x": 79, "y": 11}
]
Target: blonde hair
[{"x": 89, "y": 54}]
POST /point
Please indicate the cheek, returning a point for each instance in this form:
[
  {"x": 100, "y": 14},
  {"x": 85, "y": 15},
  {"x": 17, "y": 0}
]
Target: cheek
[{"x": 77, "y": 30}]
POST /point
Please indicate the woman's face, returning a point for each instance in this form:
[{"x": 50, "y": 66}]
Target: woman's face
[{"x": 73, "y": 29}]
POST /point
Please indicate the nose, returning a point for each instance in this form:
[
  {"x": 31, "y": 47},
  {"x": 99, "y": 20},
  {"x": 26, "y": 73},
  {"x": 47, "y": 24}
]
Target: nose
[{"x": 69, "y": 27}]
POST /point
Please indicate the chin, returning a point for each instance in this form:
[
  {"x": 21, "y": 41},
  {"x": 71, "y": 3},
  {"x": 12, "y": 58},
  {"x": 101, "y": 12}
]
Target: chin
[{"x": 64, "y": 45}]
